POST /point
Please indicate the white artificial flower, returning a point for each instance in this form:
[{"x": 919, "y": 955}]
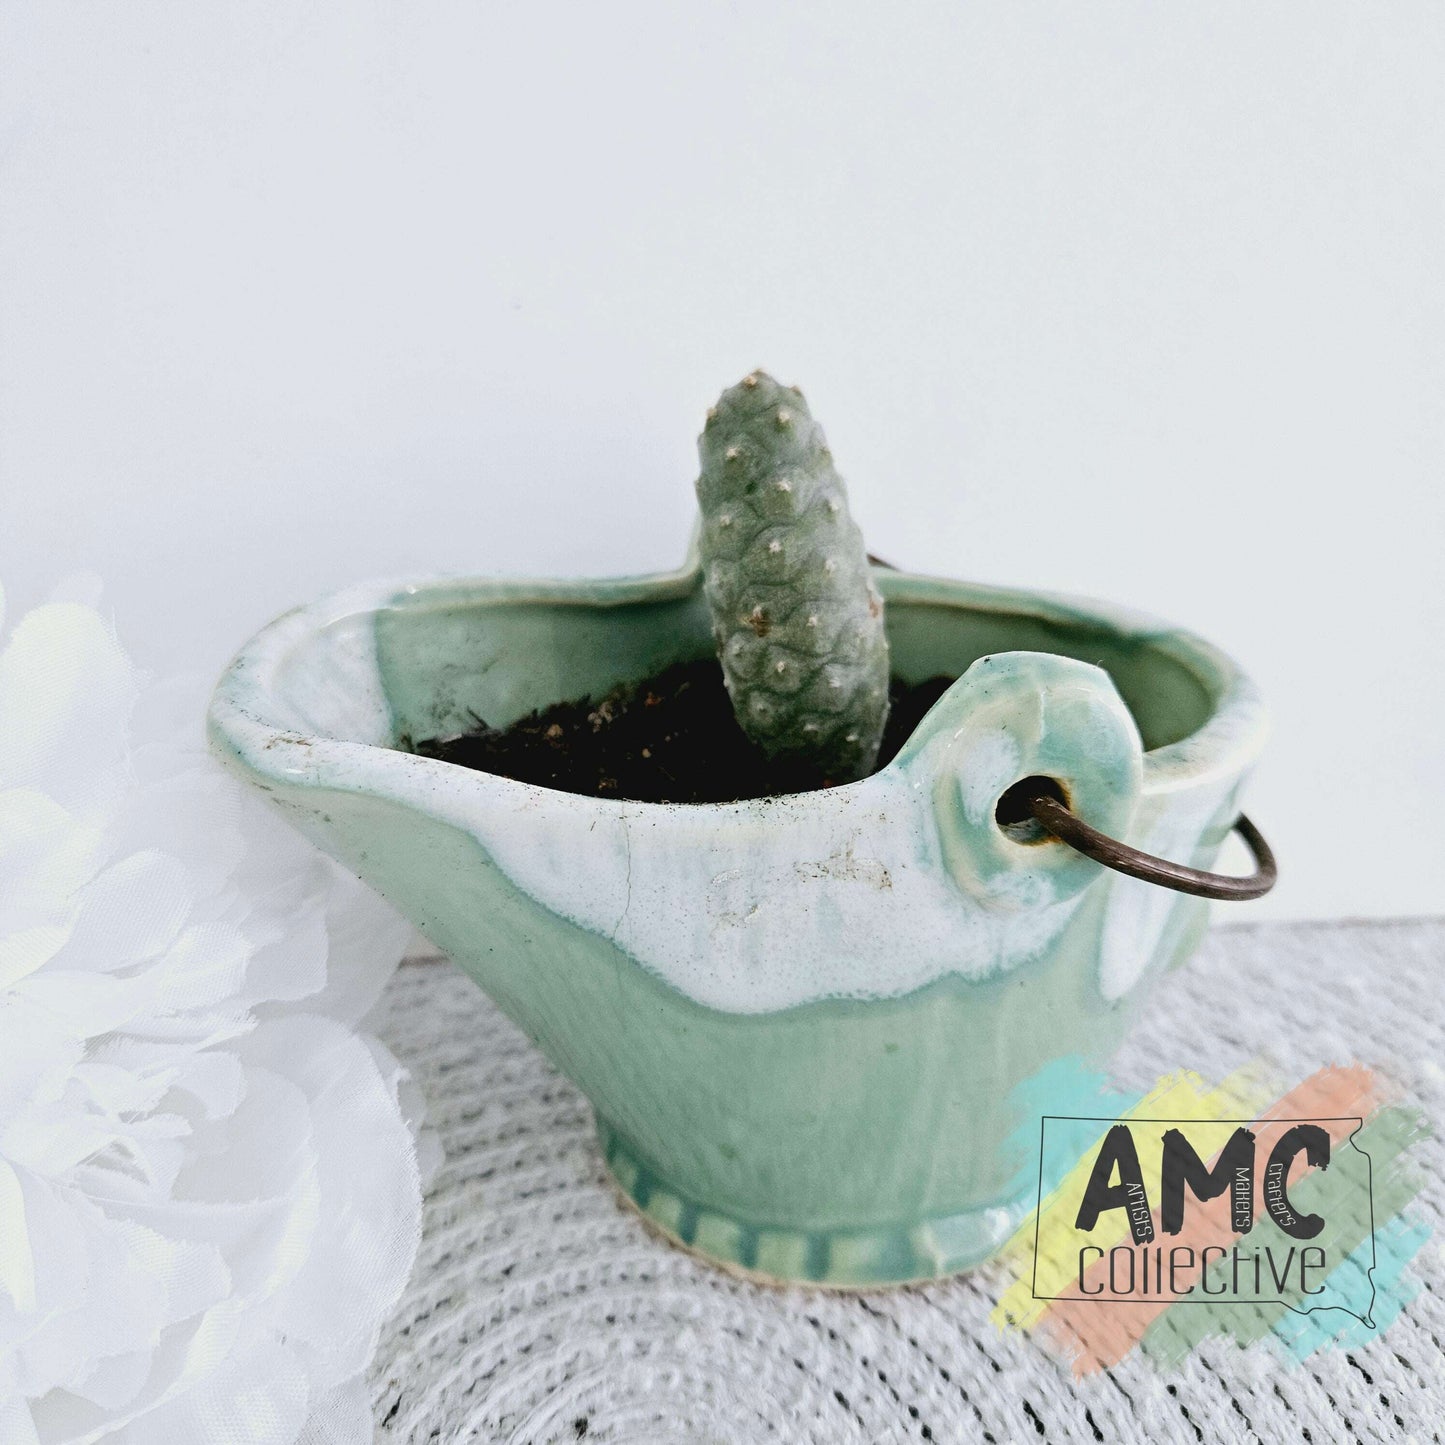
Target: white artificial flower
[{"x": 210, "y": 1195}]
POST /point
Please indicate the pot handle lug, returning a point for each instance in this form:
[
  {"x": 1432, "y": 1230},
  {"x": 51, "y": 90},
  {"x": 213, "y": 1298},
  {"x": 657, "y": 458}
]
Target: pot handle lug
[{"x": 1014, "y": 727}]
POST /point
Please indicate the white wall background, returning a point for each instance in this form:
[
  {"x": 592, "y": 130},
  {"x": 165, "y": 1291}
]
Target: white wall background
[{"x": 1142, "y": 301}]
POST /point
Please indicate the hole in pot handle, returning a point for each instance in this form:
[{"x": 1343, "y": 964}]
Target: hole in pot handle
[{"x": 1013, "y": 715}]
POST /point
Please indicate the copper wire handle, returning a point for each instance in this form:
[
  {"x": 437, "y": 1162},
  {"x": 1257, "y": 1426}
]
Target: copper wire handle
[{"x": 1071, "y": 829}]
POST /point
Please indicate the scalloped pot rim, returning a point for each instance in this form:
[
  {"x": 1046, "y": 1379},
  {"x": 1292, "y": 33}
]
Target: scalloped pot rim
[{"x": 673, "y": 884}]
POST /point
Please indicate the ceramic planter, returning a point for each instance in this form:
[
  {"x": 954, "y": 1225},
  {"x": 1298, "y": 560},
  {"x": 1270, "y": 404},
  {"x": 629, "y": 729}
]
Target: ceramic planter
[{"x": 803, "y": 1021}]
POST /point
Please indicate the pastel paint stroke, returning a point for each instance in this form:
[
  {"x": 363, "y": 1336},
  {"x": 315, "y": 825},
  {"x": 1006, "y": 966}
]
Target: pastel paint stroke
[
  {"x": 1070, "y": 1086},
  {"x": 1395, "y": 1245}
]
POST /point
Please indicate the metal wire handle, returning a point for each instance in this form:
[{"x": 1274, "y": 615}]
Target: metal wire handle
[{"x": 1071, "y": 829}]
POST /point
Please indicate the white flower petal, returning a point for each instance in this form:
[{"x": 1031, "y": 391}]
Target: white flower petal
[
  {"x": 66, "y": 693},
  {"x": 184, "y": 1104},
  {"x": 27, "y": 949},
  {"x": 39, "y": 1057},
  {"x": 367, "y": 937},
  {"x": 46, "y": 856},
  {"x": 17, "y": 1263},
  {"x": 16, "y": 1425},
  {"x": 129, "y": 913}
]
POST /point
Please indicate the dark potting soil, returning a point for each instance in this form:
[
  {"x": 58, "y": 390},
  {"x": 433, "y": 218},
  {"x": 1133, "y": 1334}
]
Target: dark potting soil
[{"x": 670, "y": 739}]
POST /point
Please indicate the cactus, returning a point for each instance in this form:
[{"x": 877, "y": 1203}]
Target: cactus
[{"x": 796, "y": 617}]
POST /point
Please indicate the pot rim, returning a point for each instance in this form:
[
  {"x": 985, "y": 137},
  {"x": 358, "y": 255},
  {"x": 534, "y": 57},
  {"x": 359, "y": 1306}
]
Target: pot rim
[{"x": 245, "y": 724}]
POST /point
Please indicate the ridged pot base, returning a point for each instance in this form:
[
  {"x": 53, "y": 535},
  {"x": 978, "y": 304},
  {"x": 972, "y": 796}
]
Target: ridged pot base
[{"x": 826, "y": 1259}]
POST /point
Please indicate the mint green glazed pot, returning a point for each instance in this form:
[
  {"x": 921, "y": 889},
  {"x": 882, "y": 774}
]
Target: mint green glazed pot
[{"x": 805, "y": 1023}]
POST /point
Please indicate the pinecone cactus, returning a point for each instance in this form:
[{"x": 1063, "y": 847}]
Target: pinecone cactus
[{"x": 797, "y": 619}]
